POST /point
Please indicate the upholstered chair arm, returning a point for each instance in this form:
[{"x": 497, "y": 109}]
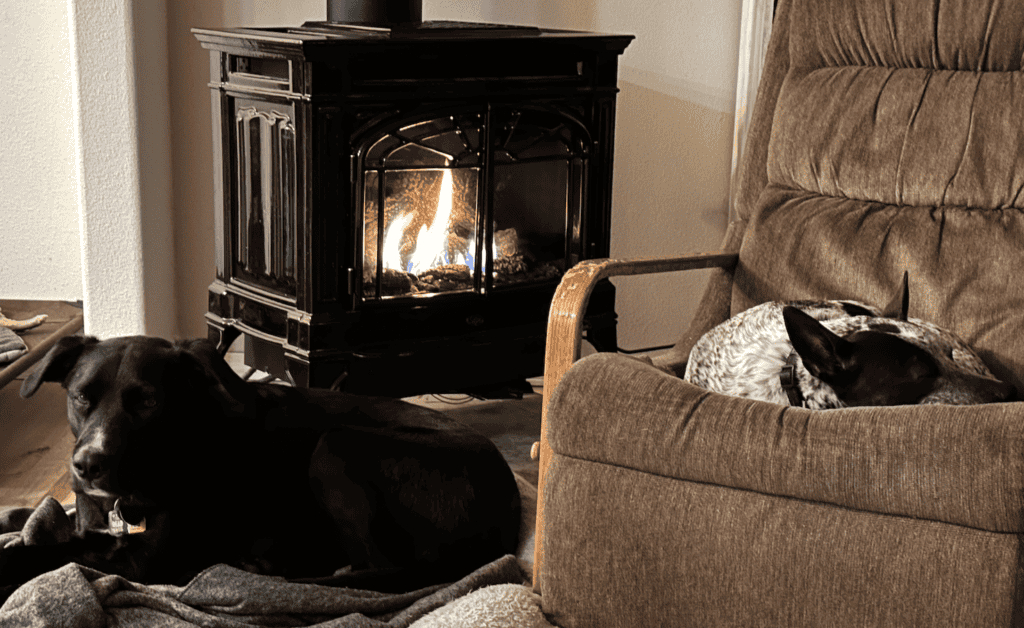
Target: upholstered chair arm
[{"x": 565, "y": 323}]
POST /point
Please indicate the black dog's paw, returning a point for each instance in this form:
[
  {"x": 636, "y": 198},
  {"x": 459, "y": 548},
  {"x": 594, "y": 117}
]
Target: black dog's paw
[
  {"x": 15, "y": 565},
  {"x": 21, "y": 563}
]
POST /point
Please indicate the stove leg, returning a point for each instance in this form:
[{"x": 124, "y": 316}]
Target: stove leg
[
  {"x": 316, "y": 374},
  {"x": 339, "y": 382},
  {"x": 222, "y": 337}
]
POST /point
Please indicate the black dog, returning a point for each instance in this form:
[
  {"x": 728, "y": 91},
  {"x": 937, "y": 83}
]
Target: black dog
[{"x": 287, "y": 481}]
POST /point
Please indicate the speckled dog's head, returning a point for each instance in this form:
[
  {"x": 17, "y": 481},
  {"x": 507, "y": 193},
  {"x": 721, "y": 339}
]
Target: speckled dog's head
[
  {"x": 872, "y": 360},
  {"x": 841, "y": 353}
]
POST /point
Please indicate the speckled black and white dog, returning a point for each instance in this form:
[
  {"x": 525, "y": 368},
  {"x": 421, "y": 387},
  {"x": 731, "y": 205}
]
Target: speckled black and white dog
[{"x": 832, "y": 354}]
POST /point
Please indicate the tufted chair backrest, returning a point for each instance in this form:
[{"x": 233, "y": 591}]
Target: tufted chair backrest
[{"x": 888, "y": 135}]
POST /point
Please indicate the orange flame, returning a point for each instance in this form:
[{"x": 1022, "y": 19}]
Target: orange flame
[{"x": 431, "y": 242}]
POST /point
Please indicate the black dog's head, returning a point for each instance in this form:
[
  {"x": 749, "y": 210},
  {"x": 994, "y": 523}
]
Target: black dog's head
[{"x": 140, "y": 409}]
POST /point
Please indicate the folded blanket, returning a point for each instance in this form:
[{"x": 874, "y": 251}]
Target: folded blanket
[
  {"x": 223, "y": 596},
  {"x": 497, "y": 606},
  {"x": 46, "y": 524},
  {"x": 12, "y": 346}
]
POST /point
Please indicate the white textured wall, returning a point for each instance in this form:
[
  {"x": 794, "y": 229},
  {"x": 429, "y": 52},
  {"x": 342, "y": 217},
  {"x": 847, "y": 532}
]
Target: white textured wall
[
  {"x": 85, "y": 171},
  {"x": 153, "y": 112},
  {"x": 122, "y": 141},
  {"x": 673, "y": 143},
  {"x": 106, "y": 136},
  {"x": 39, "y": 245}
]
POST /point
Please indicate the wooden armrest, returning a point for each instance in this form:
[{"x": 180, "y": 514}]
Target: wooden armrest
[
  {"x": 565, "y": 333},
  {"x": 565, "y": 322}
]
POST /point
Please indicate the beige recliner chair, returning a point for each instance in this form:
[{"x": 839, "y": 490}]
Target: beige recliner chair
[{"x": 888, "y": 135}]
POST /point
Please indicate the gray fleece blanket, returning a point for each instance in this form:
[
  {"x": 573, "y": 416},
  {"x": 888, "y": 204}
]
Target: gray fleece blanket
[{"x": 221, "y": 596}]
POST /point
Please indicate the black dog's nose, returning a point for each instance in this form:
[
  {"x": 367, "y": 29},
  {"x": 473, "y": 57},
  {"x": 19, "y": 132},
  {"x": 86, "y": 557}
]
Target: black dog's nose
[{"x": 90, "y": 464}]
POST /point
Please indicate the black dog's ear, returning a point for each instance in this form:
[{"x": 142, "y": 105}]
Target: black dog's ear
[
  {"x": 825, "y": 354},
  {"x": 218, "y": 373},
  {"x": 57, "y": 363},
  {"x": 900, "y": 303}
]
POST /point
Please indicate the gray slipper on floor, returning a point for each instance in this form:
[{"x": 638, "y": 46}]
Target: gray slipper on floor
[{"x": 11, "y": 346}]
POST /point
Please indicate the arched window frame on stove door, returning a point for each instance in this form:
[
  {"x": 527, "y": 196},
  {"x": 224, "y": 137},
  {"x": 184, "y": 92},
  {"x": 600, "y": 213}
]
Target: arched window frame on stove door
[{"x": 494, "y": 141}]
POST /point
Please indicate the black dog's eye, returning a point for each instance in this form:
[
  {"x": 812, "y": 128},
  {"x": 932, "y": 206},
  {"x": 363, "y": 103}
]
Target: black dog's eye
[
  {"x": 80, "y": 400},
  {"x": 149, "y": 402}
]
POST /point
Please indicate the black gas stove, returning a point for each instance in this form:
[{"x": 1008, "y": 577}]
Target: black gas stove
[{"x": 396, "y": 200}]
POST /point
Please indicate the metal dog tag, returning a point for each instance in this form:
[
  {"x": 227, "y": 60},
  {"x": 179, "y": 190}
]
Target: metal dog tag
[{"x": 117, "y": 526}]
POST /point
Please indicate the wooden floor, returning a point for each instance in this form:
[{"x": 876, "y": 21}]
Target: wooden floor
[
  {"x": 35, "y": 442},
  {"x": 35, "y": 445}
]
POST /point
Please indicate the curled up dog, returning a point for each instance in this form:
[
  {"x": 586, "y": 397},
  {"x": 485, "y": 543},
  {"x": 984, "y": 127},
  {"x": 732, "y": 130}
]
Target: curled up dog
[
  {"x": 831, "y": 354},
  {"x": 287, "y": 481}
]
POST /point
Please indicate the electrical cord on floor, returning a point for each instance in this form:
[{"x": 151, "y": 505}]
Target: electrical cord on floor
[
  {"x": 619, "y": 349},
  {"x": 454, "y": 400}
]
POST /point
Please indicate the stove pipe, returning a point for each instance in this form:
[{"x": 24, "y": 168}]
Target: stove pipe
[{"x": 374, "y": 12}]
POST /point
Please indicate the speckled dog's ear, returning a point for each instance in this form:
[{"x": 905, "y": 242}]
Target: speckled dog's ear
[
  {"x": 58, "y": 363},
  {"x": 900, "y": 303},
  {"x": 824, "y": 354}
]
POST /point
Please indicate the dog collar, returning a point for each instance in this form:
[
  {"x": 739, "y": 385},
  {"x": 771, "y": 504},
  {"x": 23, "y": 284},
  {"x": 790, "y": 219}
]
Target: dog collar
[
  {"x": 117, "y": 526},
  {"x": 789, "y": 381}
]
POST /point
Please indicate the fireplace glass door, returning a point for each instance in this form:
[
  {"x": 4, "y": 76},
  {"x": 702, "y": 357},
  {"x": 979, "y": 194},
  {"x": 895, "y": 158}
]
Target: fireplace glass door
[{"x": 472, "y": 202}]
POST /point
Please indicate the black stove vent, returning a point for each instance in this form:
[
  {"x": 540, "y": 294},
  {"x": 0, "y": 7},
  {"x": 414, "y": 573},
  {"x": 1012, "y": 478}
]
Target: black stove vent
[{"x": 374, "y": 12}]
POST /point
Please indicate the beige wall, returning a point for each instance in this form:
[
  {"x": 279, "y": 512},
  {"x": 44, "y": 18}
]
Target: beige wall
[
  {"x": 40, "y": 255},
  {"x": 673, "y": 142}
]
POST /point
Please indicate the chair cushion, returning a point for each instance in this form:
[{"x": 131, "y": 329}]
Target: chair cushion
[
  {"x": 895, "y": 146},
  {"x": 961, "y": 465},
  {"x": 669, "y": 505}
]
